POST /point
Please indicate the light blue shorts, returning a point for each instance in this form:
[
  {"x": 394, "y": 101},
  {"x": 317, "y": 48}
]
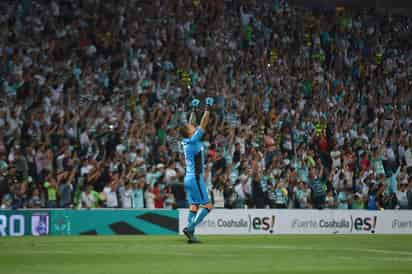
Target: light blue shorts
[{"x": 196, "y": 191}]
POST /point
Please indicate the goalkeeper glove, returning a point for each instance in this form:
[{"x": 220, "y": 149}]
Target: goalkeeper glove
[
  {"x": 209, "y": 102},
  {"x": 195, "y": 103}
]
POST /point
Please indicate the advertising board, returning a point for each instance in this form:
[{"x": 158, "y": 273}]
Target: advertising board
[{"x": 289, "y": 221}]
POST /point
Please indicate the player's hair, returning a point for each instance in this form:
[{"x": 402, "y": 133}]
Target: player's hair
[{"x": 183, "y": 131}]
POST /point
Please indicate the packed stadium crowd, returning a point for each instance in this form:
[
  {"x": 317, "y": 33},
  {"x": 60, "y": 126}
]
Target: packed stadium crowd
[{"x": 313, "y": 107}]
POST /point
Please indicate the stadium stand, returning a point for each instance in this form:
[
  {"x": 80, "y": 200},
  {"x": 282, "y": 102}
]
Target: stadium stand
[{"x": 313, "y": 107}]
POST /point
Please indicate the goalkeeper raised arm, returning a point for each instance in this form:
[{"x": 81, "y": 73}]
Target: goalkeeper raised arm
[{"x": 195, "y": 187}]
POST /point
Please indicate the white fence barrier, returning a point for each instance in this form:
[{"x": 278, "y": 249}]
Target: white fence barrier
[{"x": 272, "y": 221}]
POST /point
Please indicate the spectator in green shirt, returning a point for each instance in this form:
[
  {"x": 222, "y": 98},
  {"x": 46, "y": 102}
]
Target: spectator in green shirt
[
  {"x": 90, "y": 198},
  {"x": 50, "y": 185},
  {"x": 358, "y": 202}
]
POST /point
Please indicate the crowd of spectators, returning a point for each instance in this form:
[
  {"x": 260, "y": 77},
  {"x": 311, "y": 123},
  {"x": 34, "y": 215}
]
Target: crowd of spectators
[{"x": 313, "y": 107}]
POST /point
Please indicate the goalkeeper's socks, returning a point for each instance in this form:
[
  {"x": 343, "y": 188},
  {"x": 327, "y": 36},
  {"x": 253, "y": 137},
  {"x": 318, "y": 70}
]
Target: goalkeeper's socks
[
  {"x": 190, "y": 220},
  {"x": 201, "y": 214}
]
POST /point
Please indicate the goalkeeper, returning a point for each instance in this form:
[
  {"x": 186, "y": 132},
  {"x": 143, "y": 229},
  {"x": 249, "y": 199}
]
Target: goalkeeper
[{"x": 195, "y": 187}]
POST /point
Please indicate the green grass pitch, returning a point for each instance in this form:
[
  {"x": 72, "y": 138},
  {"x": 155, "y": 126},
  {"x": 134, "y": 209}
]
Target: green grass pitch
[{"x": 217, "y": 254}]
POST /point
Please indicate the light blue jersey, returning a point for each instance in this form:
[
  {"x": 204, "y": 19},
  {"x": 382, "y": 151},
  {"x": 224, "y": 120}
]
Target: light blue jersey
[
  {"x": 193, "y": 150},
  {"x": 195, "y": 187}
]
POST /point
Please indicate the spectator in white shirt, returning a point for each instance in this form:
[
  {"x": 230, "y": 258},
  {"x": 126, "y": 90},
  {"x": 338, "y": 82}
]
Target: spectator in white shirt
[{"x": 111, "y": 192}]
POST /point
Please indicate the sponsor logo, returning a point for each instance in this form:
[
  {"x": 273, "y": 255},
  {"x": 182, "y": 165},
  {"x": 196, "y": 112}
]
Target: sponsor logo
[
  {"x": 304, "y": 224},
  {"x": 232, "y": 223},
  {"x": 62, "y": 226},
  {"x": 252, "y": 223},
  {"x": 321, "y": 223},
  {"x": 19, "y": 225},
  {"x": 12, "y": 225},
  {"x": 367, "y": 224},
  {"x": 401, "y": 224},
  {"x": 334, "y": 223},
  {"x": 262, "y": 223},
  {"x": 356, "y": 224},
  {"x": 40, "y": 224}
]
